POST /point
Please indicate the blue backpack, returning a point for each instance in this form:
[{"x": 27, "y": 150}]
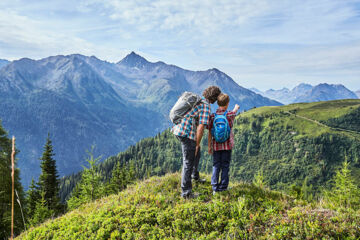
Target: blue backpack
[{"x": 221, "y": 128}]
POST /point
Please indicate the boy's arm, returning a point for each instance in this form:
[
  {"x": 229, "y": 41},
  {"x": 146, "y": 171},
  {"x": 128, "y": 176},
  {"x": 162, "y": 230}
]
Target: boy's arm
[
  {"x": 210, "y": 143},
  {"x": 236, "y": 108}
]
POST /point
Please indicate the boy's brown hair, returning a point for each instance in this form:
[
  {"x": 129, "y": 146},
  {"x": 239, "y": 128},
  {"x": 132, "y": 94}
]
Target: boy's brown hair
[{"x": 223, "y": 99}]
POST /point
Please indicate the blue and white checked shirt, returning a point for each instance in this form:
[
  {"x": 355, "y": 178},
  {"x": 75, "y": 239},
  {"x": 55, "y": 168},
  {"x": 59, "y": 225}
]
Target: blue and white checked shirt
[{"x": 187, "y": 126}]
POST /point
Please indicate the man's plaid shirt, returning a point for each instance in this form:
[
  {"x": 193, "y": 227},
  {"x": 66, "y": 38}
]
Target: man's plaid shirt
[
  {"x": 228, "y": 145},
  {"x": 187, "y": 126}
]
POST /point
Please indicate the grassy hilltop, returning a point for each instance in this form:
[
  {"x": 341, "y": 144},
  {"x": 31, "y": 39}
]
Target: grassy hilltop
[{"x": 152, "y": 209}]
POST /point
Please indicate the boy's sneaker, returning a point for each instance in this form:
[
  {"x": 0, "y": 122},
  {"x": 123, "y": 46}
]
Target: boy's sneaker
[{"x": 214, "y": 193}]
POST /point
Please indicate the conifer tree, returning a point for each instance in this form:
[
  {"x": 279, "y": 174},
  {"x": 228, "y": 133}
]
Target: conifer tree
[
  {"x": 345, "y": 192},
  {"x": 49, "y": 179},
  {"x": 118, "y": 179},
  {"x": 42, "y": 211},
  {"x": 90, "y": 186},
  {"x": 33, "y": 196}
]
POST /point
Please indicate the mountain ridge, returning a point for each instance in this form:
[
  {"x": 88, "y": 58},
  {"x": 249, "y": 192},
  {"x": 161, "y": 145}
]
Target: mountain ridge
[
  {"x": 308, "y": 93},
  {"x": 3, "y": 62}
]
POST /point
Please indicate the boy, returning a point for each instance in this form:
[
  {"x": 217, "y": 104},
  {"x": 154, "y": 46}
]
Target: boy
[{"x": 221, "y": 151}]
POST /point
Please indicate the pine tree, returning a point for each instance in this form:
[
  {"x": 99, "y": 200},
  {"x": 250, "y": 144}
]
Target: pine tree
[
  {"x": 42, "y": 211},
  {"x": 306, "y": 190},
  {"x": 49, "y": 179},
  {"x": 259, "y": 179},
  {"x": 33, "y": 196},
  {"x": 90, "y": 186},
  {"x": 345, "y": 192},
  {"x": 118, "y": 179}
]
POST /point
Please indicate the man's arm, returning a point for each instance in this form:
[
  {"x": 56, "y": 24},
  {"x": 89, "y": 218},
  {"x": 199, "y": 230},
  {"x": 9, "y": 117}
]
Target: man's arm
[
  {"x": 199, "y": 135},
  {"x": 210, "y": 142}
]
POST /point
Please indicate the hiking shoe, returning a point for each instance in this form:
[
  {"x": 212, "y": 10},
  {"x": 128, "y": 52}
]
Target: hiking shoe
[
  {"x": 190, "y": 196},
  {"x": 199, "y": 180},
  {"x": 214, "y": 193}
]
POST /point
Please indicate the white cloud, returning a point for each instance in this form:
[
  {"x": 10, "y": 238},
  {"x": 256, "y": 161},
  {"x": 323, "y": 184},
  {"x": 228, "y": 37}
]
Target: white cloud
[
  {"x": 204, "y": 16},
  {"x": 258, "y": 40}
]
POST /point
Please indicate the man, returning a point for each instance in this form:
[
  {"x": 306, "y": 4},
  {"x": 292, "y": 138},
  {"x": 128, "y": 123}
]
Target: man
[{"x": 190, "y": 132}]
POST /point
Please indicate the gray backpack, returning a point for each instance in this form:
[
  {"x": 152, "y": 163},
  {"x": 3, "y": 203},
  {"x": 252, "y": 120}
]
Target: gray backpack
[{"x": 183, "y": 105}]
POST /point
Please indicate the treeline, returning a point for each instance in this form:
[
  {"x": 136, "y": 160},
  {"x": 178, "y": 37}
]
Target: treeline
[{"x": 39, "y": 203}]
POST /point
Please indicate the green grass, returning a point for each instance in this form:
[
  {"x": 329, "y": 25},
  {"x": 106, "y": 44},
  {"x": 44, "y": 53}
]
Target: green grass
[
  {"x": 318, "y": 111},
  {"x": 315, "y": 110},
  {"x": 153, "y": 209}
]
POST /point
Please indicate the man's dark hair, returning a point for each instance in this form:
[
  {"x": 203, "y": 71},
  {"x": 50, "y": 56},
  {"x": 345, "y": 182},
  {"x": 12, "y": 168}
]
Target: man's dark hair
[{"x": 211, "y": 93}]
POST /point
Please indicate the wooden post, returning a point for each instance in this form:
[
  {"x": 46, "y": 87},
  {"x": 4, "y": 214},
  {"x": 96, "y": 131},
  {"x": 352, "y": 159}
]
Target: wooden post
[{"x": 13, "y": 186}]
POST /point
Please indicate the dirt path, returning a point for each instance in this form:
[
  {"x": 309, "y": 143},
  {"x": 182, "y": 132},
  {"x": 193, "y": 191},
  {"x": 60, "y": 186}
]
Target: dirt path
[{"x": 323, "y": 125}]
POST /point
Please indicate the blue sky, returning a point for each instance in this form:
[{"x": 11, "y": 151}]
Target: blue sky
[{"x": 259, "y": 43}]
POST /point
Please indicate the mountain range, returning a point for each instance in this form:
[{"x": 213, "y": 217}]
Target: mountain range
[
  {"x": 82, "y": 101},
  {"x": 358, "y": 93},
  {"x": 308, "y": 93},
  {"x": 3, "y": 62}
]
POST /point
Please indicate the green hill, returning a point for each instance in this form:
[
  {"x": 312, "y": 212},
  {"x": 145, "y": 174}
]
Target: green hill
[
  {"x": 296, "y": 144},
  {"x": 153, "y": 209}
]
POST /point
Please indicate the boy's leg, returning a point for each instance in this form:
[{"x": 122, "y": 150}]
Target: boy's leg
[
  {"x": 225, "y": 165},
  {"x": 188, "y": 147},
  {"x": 216, "y": 170}
]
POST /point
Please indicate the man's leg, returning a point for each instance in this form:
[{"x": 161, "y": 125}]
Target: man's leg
[
  {"x": 216, "y": 171},
  {"x": 188, "y": 147},
  {"x": 195, "y": 172},
  {"x": 225, "y": 165}
]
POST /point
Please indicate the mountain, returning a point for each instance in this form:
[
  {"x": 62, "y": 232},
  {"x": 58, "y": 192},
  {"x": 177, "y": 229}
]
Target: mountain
[
  {"x": 83, "y": 101},
  {"x": 255, "y": 90},
  {"x": 286, "y": 95},
  {"x": 158, "y": 80},
  {"x": 326, "y": 92},
  {"x": 290, "y": 144},
  {"x": 153, "y": 209},
  {"x": 3, "y": 62},
  {"x": 66, "y": 97},
  {"x": 308, "y": 93},
  {"x": 358, "y": 93},
  {"x": 283, "y": 95}
]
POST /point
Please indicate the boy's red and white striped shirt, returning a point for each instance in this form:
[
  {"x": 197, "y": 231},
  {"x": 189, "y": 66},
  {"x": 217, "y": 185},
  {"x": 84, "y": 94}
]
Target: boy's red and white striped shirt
[{"x": 228, "y": 145}]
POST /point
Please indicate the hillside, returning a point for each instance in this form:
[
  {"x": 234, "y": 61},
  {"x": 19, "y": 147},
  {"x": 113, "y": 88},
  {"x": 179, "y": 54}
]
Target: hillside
[
  {"x": 83, "y": 101},
  {"x": 152, "y": 209},
  {"x": 293, "y": 144}
]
